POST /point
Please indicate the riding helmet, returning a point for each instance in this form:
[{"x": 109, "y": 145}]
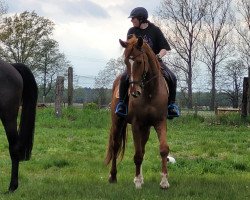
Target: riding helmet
[{"x": 139, "y": 12}]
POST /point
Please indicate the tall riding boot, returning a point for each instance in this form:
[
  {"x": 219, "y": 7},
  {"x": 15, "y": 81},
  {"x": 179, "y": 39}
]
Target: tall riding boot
[
  {"x": 122, "y": 108},
  {"x": 173, "y": 110}
]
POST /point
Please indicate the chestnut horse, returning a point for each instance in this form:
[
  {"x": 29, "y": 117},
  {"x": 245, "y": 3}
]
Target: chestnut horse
[
  {"x": 17, "y": 88},
  {"x": 147, "y": 106}
]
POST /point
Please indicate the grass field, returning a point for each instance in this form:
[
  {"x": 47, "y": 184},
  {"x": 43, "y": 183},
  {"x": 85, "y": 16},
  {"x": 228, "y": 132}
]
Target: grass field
[{"x": 212, "y": 154}]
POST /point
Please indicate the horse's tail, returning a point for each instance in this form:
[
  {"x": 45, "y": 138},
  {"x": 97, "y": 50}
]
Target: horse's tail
[
  {"x": 27, "y": 120},
  {"x": 117, "y": 141},
  {"x": 118, "y": 134}
]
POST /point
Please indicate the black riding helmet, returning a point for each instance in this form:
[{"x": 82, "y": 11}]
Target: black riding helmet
[{"x": 140, "y": 13}]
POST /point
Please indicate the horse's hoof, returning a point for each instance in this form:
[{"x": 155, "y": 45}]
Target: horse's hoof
[
  {"x": 164, "y": 182},
  {"x": 112, "y": 179},
  {"x": 12, "y": 189},
  {"x": 138, "y": 181},
  {"x": 138, "y": 187},
  {"x": 164, "y": 186}
]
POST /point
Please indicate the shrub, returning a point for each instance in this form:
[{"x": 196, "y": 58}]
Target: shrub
[{"x": 91, "y": 106}]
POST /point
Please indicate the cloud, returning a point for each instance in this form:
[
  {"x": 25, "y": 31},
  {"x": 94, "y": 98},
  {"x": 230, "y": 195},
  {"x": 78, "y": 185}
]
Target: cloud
[
  {"x": 92, "y": 9},
  {"x": 61, "y": 10},
  {"x": 87, "y": 30},
  {"x": 74, "y": 10}
]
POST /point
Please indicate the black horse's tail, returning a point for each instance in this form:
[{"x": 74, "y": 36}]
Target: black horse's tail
[{"x": 27, "y": 121}]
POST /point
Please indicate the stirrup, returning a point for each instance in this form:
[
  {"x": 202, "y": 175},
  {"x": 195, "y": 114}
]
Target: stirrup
[
  {"x": 121, "y": 109},
  {"x": 173, "y": 111}
]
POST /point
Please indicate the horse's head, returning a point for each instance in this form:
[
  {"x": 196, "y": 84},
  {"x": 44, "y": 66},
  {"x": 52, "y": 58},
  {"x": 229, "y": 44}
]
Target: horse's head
[{"x": 136, "y": 62}]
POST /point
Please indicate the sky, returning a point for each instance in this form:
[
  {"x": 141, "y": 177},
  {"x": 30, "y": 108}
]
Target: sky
[{"x": 88, "y": 31}]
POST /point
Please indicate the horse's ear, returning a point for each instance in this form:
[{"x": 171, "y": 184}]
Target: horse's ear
[
  {"x": 139, "y": 42},
  {"x": 124, "y": 44},
  {"x": 130, "y": 36}
]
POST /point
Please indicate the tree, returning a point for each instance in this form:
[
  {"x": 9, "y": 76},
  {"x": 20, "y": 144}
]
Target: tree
[
  {"x": 182, "y": 20},
  {"x": 232, "y": 81},
  {"x": 21, "y": 37},
  {"x": 215, "y": 40},
  {"x": 106, "y": 77},
  {"x": 3, "y": 8},
  {"x": 25, "y": 38},
  {"x": 50, "y": 64},
  {"x": 243, "y": 29}
]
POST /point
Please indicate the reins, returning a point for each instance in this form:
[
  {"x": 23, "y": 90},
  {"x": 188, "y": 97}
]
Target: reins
[{"x": 143, "y": 81}]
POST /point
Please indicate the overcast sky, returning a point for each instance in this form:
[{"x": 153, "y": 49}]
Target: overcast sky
[{"x": 87, "y": 30}]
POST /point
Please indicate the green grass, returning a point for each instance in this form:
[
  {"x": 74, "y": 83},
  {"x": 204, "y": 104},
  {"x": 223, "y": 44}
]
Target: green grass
[{"x": 212, "y": 157}]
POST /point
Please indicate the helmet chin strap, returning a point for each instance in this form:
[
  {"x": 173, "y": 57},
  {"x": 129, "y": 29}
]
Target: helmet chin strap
[{"x": 140, "y": 22}]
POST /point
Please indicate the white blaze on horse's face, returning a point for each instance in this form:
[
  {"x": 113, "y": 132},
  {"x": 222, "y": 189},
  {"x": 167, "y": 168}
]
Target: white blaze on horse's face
[
  {"x": 131, "y": 61},
  {"x": 135, "y": 88}
]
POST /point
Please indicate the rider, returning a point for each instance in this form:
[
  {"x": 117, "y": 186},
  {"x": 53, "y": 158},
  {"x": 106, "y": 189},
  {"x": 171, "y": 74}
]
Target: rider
[{"x": 156, "y": 40}]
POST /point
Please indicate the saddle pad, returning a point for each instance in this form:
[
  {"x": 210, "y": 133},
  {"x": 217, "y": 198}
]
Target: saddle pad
[
  {"x": 116, "y": 92},
  {"x": 166, "y": 85}
]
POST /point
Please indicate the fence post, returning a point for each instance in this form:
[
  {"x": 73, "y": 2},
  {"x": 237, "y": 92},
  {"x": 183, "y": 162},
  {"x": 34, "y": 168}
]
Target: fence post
[
  {"x": 248, "y": 93},
  {"x": 244, "y": 98},
  {"x": 196, "y": 109},
  {"x": 59, "y": 96},
  {"x": 43, "y": 99},
  {"x": 70, "y": 86},
  {"x": 216, "y": 108}
]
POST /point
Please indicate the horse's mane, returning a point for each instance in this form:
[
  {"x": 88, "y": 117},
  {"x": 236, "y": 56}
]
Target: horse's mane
[{"x": 151, "y": 54}]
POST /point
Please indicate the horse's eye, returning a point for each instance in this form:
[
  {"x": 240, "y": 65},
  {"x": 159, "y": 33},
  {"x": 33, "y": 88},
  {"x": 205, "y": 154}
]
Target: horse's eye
[{"x": 139, "y": 62}]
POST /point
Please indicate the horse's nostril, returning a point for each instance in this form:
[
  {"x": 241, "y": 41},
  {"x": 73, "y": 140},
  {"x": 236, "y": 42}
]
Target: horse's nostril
[{"x": 136, "y": 94}]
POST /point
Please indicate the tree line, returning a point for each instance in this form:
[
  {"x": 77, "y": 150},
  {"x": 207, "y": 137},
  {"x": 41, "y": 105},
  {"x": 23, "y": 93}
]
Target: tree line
[{"x": 102, "y": 98}]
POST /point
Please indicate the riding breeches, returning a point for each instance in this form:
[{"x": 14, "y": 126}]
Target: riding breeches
[
  {"x": 123, "y": 87},
  {"x": 171, "y": 80}
]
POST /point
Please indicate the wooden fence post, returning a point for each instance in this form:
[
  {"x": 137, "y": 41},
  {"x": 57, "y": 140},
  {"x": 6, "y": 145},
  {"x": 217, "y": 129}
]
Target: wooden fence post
[
  {"x": 244, "y": 98},
  {"x": 195, "y": 109},
  {"x": 248, "y": 93},
  {"x": 216, "y": 108},
  {"x": 59, "y": 96},
  {"x": 70, "y": 86}
]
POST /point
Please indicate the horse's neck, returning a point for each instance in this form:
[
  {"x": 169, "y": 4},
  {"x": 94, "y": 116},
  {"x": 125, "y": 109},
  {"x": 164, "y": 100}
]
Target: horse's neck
[
  {"x": 154, "y": 69},
  {"x": 153, "y": 78}
]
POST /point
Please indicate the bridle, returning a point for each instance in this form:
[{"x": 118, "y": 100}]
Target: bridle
[{"x": 141, "y": 82}]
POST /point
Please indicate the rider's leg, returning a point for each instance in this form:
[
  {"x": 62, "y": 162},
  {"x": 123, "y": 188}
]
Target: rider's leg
[
  {"x": 173, "y": 110},
  {"x": 122, "y": 108}
]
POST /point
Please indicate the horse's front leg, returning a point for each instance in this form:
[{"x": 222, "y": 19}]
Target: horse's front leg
[
  {"x": 140, "y": 136},
  {"x": 164, "y": 150}
]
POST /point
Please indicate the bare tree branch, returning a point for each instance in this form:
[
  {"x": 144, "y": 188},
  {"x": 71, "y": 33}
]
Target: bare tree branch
[
  {"x": 182, "y": 23},
  {"x": 219, "y": 22}
]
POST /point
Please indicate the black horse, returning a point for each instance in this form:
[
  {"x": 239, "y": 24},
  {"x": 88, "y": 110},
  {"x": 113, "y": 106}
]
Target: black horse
[{"x": 17, "y": 88}]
